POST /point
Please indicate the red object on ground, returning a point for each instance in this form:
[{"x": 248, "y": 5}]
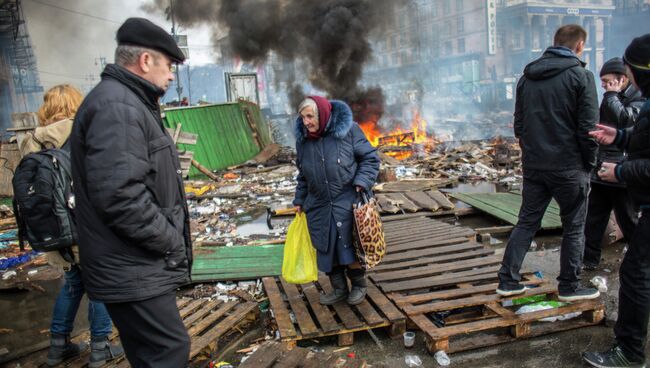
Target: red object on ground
[{"x": 352, "y": 355}]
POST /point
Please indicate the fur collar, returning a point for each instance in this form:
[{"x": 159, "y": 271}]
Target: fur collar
[{"x": 339, "y": 125}]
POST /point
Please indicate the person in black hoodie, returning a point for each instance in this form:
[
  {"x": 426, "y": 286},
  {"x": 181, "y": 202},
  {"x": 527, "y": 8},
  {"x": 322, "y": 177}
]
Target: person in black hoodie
[
  {"x": 619, "y": 109},
  {"x": 555, "y": 108},
  {"x": 131, "y": 211},
  {"x": 631, "y": 327}
]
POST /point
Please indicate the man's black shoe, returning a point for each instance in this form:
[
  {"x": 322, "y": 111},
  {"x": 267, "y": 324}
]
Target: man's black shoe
[
  {"x": 612, "y": 358},
  {"x": 508, "y": 290},
  {"x": 578, "y": 294}
]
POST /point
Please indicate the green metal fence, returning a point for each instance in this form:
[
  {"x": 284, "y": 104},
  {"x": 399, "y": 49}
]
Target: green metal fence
[{"x": 226, "y": 134}]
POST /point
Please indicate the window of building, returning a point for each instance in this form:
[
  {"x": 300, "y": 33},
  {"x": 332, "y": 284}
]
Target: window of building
[
  {"x": 446, "y": 6},
  {"x": 461, "y": 45},
  {"x": 447, "y": 30},
  {"x": 459, "y": 5},
  {"x": 448, "y": 48},
  {"x": 501, "y": 39},
  {"x": 394, "y": 61},
  {"x": 460, "y": 25}
]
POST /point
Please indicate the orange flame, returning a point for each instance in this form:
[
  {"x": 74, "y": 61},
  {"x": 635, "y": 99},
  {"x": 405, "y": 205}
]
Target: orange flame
[{"x": 396, "y": 136}]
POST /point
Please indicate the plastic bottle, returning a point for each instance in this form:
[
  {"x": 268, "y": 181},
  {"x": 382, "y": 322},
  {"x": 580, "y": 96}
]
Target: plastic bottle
[{"x": 442, "y": 358}]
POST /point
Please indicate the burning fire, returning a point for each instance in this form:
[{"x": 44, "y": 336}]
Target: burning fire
[{"x": 396, "y": 143}]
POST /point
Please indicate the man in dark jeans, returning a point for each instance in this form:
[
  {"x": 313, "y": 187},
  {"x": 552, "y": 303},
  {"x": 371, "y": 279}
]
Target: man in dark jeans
[
  {"x": 619, "y": 109},
  {"x": 555, "y": 109},
  {"x": 631, "y": 327}
]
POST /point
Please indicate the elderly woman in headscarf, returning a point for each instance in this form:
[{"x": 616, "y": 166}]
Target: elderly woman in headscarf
[{"x": 335, "y": 162}]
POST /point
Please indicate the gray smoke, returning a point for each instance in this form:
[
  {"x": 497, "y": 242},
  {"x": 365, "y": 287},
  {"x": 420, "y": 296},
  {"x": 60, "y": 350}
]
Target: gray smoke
[{"x": 332, "y": 35}]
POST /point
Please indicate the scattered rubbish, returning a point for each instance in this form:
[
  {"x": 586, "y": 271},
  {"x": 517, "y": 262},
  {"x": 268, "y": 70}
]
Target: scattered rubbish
[
  {"x": 442, "y": 358},
  {"x": 548, "y": 304},
  {"x": 539, "y": 274},
  {"x": 409, "y": 339},
  {"x": 607, "y": 270},
  {"x": 524, "y": 301},
  {"x": 600, "y": 283},
  {"x": 220, "y": 365},
  {"x": 341, "y": 349},
  {"x": 533, "y": 245},
  {"x": 412, "y": 361},
  {"x": 351, "y": 355},
  {"x": 316, "y": 349},
  {"x": 9, "y": 274}
]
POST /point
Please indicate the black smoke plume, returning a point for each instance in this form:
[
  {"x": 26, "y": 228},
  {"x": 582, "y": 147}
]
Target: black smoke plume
[{"x": 332, "y": 35}]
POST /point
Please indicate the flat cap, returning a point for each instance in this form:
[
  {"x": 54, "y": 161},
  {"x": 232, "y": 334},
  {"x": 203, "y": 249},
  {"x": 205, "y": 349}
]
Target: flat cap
[{"x": 141, "y": 32}]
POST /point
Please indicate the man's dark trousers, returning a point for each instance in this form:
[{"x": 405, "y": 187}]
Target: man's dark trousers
[
  {"x": 152, "y": 332},
  {"x": 631, "y": 327},
  {"x": 570, "y": 188},
  {"x": 602, "y": 199}
]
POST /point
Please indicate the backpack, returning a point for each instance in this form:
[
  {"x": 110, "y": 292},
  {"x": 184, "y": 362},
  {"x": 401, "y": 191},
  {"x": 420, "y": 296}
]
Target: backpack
[{"x": 43, "y": 201}]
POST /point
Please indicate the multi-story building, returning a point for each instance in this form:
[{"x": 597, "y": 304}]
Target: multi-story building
[
  {"x": 526, "y": 28},
  {"x": 20, "y": 87},
  {"x": 476, "y": 49}
]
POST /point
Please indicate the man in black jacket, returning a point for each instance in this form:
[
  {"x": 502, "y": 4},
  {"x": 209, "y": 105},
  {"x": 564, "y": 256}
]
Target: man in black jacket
[
  {"x": 631, "y": 327},
  {"x": 131, "y": 210},
  {"x": 619, "y": 109},
  {"x": 555, "y": 109}
]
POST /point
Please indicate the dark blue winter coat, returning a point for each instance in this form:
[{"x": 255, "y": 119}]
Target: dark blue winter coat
[{"x": 329, "y": 169}]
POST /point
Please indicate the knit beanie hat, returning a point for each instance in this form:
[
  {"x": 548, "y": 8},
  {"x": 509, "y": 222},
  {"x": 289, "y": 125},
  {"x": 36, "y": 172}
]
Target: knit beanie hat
[
  {"x": 613, "y": 66},
  {"x": 637, "y": 57}
]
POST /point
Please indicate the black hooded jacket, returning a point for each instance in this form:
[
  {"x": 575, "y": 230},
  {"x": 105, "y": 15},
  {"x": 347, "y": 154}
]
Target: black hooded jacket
[
  {"x": 556, "y": 107},
  {"x": 619, "y": 110},
  {"x": 131, "y": 212}
]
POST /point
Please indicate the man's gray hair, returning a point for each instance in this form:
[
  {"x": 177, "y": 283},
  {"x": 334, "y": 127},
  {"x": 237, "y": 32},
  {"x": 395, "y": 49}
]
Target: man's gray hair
[
  {"x": 308, "y": 102},
  {"x": 128, "y": 54}
]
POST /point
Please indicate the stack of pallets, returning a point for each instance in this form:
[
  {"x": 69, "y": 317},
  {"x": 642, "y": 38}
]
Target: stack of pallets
[{"x": 444, "y": 281}]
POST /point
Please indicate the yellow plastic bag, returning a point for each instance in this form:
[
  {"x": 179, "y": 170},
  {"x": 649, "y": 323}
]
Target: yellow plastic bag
[{"x": 299, "y": 264}]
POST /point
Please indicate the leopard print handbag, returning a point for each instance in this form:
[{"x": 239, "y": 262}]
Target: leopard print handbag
[{"x": 368, "y": 232}]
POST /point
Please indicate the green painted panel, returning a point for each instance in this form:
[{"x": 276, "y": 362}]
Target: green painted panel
[
  {"x": 237, "y": 263},
  {"x": 505, "y": 206},
  {"x": 225, "y": 136}
]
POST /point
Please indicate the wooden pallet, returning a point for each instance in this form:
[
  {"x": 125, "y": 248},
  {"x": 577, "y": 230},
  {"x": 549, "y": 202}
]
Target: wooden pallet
[
  {"x": 272, "y": 354},
  {"x": 206, "y": 321},
  {"x": 314, "y": 320},
  {"x": 445, "y": 283}
]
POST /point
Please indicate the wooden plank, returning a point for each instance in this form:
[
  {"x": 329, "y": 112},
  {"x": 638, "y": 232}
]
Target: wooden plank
[
  {"x": 475, "y": 300},
  {"x": 422, "y": 200},
  {"x": 280, "y": 311},
  {"x": 521, "y": 318},
  {"x": 221, "y": 328},
  {"x": 323, "y": 315},
  {"x": 194, "y": 305},
  {"x": 212, "y": 318},
  {"x": 435, "y": 234},
  {"x": 402, "y": 202},
  {"x": 181, "y": 303},
  {"x": 453, "y": 293},
  {"x": 506, "y": 207},
  {"x": 429, "y": 270},
  {"x": 343, "y": 310},
  {"x": 204, "y": 311},
  {"x": 486, "y": 273},
  {"x": 441, "y": 199},
  {"x": 264, "y": 357},
  {"x": 306, "y": 324},
  {"x": 386, "y": 306},
  {"x": 369, "y": 313},
  {"x": 432, "y": 249},
  {"x": 385, "y": 204},
  {"x": 432, "y": 260}
]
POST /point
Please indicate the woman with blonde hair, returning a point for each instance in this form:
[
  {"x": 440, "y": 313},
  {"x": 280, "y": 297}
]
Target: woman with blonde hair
[{"x": 60, "y": 104}]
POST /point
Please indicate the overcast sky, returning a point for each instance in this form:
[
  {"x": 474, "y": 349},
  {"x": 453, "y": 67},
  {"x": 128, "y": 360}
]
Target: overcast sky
[{"x": 69, "y": 36}]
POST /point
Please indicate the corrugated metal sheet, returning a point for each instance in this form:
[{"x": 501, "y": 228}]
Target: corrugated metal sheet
[{"x": 225, "y": 135}]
